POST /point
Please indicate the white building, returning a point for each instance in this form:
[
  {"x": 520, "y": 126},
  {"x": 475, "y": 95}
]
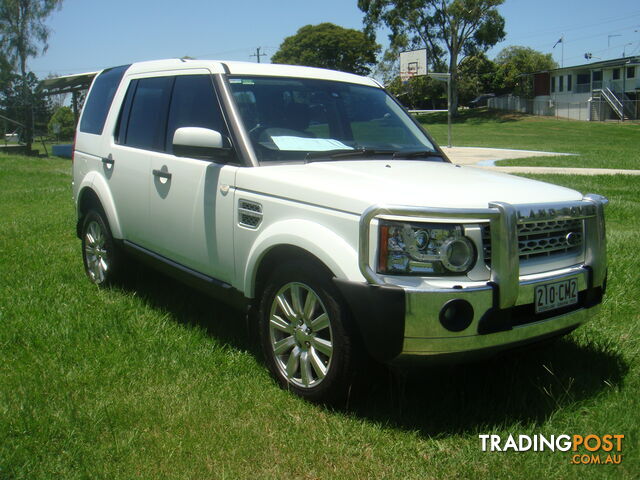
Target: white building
[{"x": 603, "y": 90}]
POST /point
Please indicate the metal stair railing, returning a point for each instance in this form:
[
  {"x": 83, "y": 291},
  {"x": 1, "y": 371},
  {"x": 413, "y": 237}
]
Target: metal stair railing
[
  {"x": 628, "y": 104},
  {"x": 613, "y": 101}
]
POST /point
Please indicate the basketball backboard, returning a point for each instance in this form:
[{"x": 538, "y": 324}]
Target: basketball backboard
[{"x": 413, "y": 63}]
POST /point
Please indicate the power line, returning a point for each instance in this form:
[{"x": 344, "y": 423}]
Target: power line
[
  {"x": 600, "y": 51},
  {"x": 539, "y": 33},
  {"x": 258, "y": 54}
]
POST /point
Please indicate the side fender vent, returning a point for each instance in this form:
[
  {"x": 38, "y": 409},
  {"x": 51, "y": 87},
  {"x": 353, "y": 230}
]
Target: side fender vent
[{"x": 249, "y": 214}]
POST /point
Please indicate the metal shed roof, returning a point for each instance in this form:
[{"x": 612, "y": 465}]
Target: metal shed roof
[{"x": 68, "y": 83}]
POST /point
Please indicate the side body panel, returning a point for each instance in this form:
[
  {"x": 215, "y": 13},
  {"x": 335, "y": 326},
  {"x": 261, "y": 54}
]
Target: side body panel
[
  {"x": 328, "y": 235},
  {"x": 191, "y": 214}
]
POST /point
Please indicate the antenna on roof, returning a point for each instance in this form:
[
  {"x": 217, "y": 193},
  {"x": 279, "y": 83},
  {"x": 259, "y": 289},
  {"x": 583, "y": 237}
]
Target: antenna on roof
[{"x": 561, "y": 40}]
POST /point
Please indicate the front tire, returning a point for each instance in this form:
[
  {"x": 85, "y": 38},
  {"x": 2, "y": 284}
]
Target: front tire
[
  {"x": 100, "y": 254},
  {"x": 304, "y": 335}
]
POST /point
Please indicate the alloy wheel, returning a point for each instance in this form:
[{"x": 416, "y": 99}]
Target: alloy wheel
[
  {"x": 95, "y": 251},
  {"x": 301, "y": 335}
]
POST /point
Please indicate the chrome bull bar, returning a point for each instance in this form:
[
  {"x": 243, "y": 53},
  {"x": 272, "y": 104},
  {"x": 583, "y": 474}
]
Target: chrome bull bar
[{"x": 503, "y": 218}]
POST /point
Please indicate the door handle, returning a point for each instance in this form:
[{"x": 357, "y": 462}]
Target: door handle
[
  {"x": 109, "y": 161},
  {"x": 161, "y": 174}
]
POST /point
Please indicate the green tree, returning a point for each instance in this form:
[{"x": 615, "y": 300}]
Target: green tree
[
  {"x": 23, "y": 34},
  {"x": 515, "y": 66},
  {"x": 62, "y": 124},
  {"x": 459, "y": 27},
  {"x": 329, "y": 46},
  {"x": 30, "y": 110},
  {"x": 419, "y": 92},
  {"x": 477, "y": 76}
]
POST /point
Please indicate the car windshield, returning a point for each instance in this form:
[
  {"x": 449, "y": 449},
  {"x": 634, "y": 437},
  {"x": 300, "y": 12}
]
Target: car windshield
[{"x": 299, "y": 119}]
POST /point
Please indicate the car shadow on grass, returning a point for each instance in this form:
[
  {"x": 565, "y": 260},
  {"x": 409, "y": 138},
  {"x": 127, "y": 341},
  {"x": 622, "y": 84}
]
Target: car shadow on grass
[
  {"x": 189, "y": 306},
  {"x": 523, "y": 387}
]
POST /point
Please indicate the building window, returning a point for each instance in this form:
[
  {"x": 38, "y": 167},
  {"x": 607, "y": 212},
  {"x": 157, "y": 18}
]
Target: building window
[
  {"x": 597, "y": 76},
  {"x": 616, "y": 74},
  {"x": 569, "y": 86},
  {"x": 583, "y": 83},
  {"x": 631, "y": 72},
  {"x": 553, "y": 84},
  {"x": 561, "y": 83}
]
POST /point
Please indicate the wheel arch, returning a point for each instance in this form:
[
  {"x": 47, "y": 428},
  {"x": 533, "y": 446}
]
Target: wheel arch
[
  {"x": 94, "y": 192},
  {"x": 279, "y": 243},
  {"x": 280, "y": 254}
]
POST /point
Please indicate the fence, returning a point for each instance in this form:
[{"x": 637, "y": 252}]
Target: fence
[
  {"x": 590, "y": 110},
  {"x": 18, "y": 122}
]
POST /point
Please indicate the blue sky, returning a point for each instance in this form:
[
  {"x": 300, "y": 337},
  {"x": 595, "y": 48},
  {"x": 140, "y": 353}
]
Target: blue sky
[{"x": 90, "y": 35}]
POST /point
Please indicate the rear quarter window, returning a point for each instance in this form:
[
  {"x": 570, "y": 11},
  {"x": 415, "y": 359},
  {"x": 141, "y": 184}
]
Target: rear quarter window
[{"x": 99, "y": 102}]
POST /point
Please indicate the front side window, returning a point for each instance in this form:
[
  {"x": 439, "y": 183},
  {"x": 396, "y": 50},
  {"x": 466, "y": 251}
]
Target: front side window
[
  {"x": 194, "y": 104},
  {"x": 616, "y": 74},
  {"x": 290, "y": 119},
  {"x": 631, "y": 72},
  {"x": 561, "y": 83}
]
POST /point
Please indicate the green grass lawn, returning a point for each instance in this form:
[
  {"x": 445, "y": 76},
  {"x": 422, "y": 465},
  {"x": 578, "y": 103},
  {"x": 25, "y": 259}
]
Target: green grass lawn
[
  {"x": 151, "y": 380},
  {"x": 598, "y": 144}
]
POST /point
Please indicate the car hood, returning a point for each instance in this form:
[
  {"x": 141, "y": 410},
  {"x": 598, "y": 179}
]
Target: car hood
[{"x": 353, "y": 186}]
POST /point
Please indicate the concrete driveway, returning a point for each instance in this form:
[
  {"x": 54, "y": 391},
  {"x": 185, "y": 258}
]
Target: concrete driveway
[{"x": 486, "y": 157}]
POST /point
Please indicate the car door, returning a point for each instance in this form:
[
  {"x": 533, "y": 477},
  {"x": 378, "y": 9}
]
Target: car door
[
  {"x": 138, "y": 136},
  {"x": 191, "y": 199}
]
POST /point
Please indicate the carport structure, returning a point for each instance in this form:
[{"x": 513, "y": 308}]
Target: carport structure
[{"x": 73, "y": 84}]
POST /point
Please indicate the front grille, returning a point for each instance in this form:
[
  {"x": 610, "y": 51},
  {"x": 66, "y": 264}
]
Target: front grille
[{"x": 542, "y": 239}]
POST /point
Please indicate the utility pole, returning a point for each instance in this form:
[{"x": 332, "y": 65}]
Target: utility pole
[{"x": 258, "y": 54}]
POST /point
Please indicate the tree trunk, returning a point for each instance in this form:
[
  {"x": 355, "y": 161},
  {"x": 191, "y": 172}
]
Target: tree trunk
[
  {"x": 27, "y": 108},
  {"x": 453, "y": 83}
]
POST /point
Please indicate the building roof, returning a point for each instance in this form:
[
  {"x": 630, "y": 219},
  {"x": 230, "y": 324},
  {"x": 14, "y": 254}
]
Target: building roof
[{"x": 635, "y": 60}]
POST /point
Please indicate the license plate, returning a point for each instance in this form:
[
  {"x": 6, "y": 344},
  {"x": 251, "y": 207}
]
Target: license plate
[{"x": 556, "y": 295}]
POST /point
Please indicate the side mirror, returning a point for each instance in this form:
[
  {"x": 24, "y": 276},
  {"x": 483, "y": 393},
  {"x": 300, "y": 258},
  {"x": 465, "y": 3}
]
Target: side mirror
[{"x": 197, "y": 142}]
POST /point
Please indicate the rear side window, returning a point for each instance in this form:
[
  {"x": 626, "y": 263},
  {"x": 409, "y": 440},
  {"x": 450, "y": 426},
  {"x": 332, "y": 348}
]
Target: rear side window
[
  {"x": 98, "y": 104},
  {"x": 194, "y": 104},
  {"x": 148, "y": 115}
]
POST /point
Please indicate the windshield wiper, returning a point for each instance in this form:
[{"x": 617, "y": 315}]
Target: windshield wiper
[
  {"x": 416, "y": 154},
  {"x": 328, "y": 155}
]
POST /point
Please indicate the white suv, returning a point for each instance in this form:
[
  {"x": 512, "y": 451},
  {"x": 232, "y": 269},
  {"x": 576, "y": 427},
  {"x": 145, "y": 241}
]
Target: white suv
[{"x": 314, "y": 197}]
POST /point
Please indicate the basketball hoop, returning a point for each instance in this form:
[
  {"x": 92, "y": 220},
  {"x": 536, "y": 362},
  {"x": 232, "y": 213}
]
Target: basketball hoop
[{"x": 406, "y": 76}]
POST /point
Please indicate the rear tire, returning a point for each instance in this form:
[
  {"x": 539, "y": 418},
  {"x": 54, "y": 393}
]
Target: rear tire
[
  {"x": 101, "y": 256},
  {"x": 304, "y": 335}
]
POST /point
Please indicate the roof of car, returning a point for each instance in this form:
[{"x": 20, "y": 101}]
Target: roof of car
[{"x": 247, "y": 68}]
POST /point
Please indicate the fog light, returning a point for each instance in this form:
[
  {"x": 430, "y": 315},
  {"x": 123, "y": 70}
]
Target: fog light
[{"x": 456, "y": 315}]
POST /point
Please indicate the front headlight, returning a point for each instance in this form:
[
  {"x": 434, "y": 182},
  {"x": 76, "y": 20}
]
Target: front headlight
[{"x": 431, "y": 249}]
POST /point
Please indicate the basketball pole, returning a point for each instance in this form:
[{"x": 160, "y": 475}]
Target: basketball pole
[
  {"x": 445, "y": 77},
  {"x": 449, "y": 110},
  {"x": 414, "y": 63}
]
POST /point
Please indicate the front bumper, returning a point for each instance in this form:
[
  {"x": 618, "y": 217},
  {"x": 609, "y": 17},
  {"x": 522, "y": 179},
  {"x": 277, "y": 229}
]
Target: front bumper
[
  {"x": 397, "y": 323},
  {"x": 493, "y": 328}
]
